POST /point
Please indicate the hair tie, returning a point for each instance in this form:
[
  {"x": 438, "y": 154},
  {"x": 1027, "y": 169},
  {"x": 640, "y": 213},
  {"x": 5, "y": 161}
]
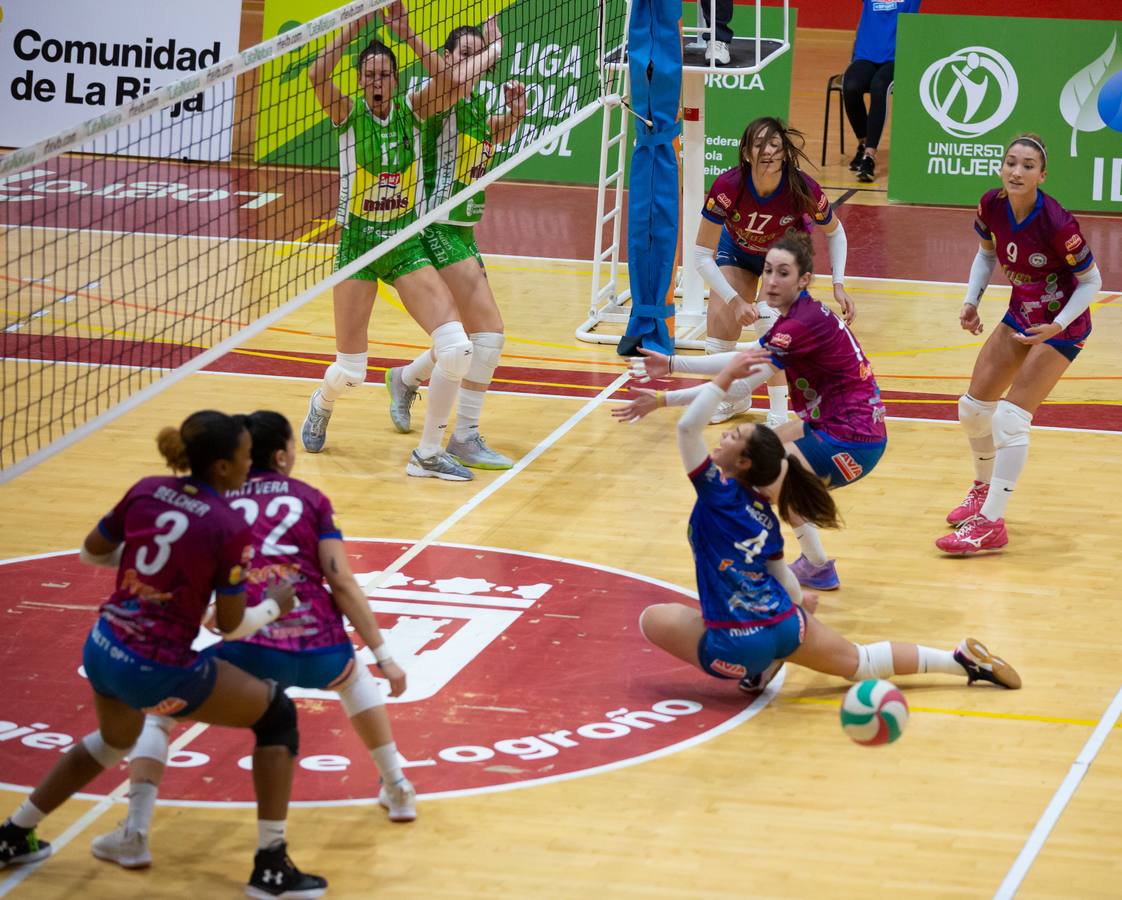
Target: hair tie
[{"x": 1025, "y": 139}]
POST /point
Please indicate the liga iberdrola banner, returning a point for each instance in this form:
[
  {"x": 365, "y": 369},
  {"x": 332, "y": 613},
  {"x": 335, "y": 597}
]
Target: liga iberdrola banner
[
  {"x": 966, "y": 85},
  {"x": 292, "y": 127},
  {"x": 65, "y": 61}
]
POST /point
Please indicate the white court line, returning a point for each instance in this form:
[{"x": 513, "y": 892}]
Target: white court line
[
  {"x": 91, "y": 815},
  {"x": 1060, "y": 799},
  {"x": 198, "y": 728}
]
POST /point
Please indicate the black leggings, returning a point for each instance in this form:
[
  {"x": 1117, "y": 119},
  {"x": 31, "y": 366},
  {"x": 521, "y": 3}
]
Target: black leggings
[{"x": 861, "y": 78}]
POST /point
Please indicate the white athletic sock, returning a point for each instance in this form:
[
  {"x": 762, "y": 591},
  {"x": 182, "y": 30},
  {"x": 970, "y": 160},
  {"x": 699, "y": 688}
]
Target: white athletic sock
[
  {"x": 777, "y": 399},
  {"x": 442, "y": 396},
  {"x": 718, "y": 345},
  {"x": 941, "y": 661},
  {"x": 1007, "y": 468},
  {"x": 419, "y": 370},
  {"x": 142, "y": 803},
  {"x": 385, "y": 758},
  {"x": 28, "y": 815},
  {"x": 982, "y": 448},
  {"x": 811, "y": 544},
  {"x": 329, "y": 392},
  {"x": 468, "y": 410},
  {"x": 269, "y": 832}
]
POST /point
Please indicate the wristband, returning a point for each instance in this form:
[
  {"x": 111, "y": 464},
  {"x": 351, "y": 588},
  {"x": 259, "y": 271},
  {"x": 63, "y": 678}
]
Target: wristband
[{"x": 660, "y": 399}]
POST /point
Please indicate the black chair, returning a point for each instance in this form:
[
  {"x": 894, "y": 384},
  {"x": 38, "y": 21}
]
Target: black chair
[{"x": 834, "y": 83}]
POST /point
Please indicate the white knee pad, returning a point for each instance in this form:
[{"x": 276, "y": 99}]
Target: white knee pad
[
  {"x": 873, "y": 661},
  {"x": 452, "y": 349},
  {"x": 360, "y": 692},
  {"x": 107, "y": 756},
  {"x": 348, "y": 371},
  {"x": 976, "y": 415},
  {"x": 487, "y": 349},
  {"x": 1011, "y": 425},
  {"x": 767, "y": 317},
  {"x": 153, "y": 740}
]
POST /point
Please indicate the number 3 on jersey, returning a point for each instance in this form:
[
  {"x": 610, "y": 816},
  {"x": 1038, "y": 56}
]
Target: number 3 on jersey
[
  {"x": 251, "y": 510},
  {"x": 176, "y": 524}
]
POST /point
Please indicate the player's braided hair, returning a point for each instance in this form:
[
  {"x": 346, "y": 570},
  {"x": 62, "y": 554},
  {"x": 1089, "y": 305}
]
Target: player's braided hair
[
  {"x": 271, "y": 433},
  {"x": 802, "y": 495},
  {"x": 202, "y": 440},
  {"x": 761, "y": 130}
]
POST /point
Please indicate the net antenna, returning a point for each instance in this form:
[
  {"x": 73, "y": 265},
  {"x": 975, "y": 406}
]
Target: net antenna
[
  {"x": 610, "y": 302},
  {"x": 134, "y": 259}
]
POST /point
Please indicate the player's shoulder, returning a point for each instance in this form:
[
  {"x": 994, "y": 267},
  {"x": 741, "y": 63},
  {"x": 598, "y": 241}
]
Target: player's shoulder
[
  {"x": 1053, "y": 213},
  {"x": 990, "y": 199},
  {"x": 728, "y": 182},
  {"x": 813, "y": 185}
]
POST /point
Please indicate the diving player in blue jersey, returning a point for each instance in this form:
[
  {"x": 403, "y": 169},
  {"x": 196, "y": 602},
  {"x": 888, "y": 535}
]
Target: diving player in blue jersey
[{"x": 748, "y": 622}]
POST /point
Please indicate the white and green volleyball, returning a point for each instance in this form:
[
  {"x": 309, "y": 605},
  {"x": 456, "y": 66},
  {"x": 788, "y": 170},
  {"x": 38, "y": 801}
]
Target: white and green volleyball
[{"x": 874, "y": 712}]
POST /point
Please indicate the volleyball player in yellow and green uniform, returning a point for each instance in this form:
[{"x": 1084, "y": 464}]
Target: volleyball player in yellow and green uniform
[
  {"x": 381, "y": 192},
  {"x": 459, "y": 145}
]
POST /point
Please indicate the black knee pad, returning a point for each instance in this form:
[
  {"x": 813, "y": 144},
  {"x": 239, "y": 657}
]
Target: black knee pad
[{"x": 277, "y": 725}]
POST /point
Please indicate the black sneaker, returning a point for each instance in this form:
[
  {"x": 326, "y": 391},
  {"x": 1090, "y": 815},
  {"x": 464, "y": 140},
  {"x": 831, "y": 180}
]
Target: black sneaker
[
  {"x": 981, "y": 665},
  {"x": 20, "y": 846},
  {"x": 753, "y": 684},
  {"x": 855, "y": 163},
  {"x": 276, "y": 876},
  {"x": 867, "y": 168}
]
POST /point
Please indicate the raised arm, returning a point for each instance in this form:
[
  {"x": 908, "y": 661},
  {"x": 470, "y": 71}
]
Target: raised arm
[
  {"x": 397, "y": 20},
  {"x": 502, "y": 127},
  {"x": 335, "y": 103},
  {"x": 351, "y": 600},
  {"x": 451, "y": 83}
]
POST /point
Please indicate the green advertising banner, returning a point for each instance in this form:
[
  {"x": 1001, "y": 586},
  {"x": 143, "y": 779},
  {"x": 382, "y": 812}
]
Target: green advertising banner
[
  {"x": 966, "y": 85},
  {"x": 292, "y": 129}
]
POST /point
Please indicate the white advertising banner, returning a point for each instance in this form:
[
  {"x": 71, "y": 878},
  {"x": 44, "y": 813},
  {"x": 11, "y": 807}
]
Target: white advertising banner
[{"x": 65, "y": 61}]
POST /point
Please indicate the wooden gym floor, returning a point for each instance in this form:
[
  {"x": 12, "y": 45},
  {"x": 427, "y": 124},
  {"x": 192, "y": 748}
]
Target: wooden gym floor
[{"x": 763, "y": 798}]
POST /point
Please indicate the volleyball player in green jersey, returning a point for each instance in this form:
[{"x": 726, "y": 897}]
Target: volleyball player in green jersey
[
  {"x": 381, "y": 192},
  {"x": 459, "y": 145}
]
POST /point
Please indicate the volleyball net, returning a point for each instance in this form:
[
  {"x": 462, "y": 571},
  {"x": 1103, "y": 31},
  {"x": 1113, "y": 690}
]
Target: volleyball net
[{"x": 143, "y": 244}]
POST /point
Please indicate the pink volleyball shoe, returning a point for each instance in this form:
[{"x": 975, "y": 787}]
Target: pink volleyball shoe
[
  {"x": 975, "y": 535},
  {"x": 971, "y": 506}
]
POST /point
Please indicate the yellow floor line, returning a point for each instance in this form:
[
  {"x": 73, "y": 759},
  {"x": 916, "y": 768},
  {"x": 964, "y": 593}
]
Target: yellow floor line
[{"x": 972, "y": 713}]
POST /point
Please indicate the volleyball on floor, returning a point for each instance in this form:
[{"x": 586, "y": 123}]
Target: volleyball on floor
[{"x": 874, "y": 712}]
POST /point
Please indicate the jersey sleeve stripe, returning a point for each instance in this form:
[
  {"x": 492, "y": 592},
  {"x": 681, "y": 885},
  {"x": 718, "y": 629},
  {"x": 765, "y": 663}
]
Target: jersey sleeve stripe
[
  {"x": 1088, "y": 260},
  {"x": 107, "y": 532},
  {"x": 335, "y": 534},
  {"x": 231, "y": 588},
  {"x": 706, "y": 214}
]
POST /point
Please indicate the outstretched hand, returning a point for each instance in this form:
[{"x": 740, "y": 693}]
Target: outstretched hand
[
  {"x": 746, "y": 362},
  {"x": 651, "y": 364},
  {"x": 491, "y": 32},
  {"x": 969, "y": 319},
  {"x": 514, "y": 94},
  {"x": 397, "y": 19},
  {"x": 645, "y": 402}
]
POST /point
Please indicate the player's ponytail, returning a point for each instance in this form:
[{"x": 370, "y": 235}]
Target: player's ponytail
[
  {"x": 271, "y": 433},
  {"x": 802, "y": 495},
  {"x": 204, "y": 438}
]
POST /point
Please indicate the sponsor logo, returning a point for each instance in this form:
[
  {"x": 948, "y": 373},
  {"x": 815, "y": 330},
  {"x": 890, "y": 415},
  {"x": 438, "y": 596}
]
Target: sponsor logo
[
  {"x": 709, "y": 204},
  {"x": 847, "y": 465},
  {"x": 725, "y": 563},
  {"x": 780, "y": 339},
  {"x": 1038, "y": 259},
  {"x": 730, "y": 670},
  {"x": 386, "y": 204},
  {"x": 1072, "y": 242},
  {"x": 970, "y": 92},
  {"x": 456, "y": 618},
  {"x": 1076, "y": 258},
  {"x": 724, "y": 200},
  {"x": 389, "y": 179},
  {"x": 786, "y": 220}
]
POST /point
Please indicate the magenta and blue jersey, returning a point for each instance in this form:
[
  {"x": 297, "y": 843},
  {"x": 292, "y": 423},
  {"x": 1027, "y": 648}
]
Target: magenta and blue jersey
[
  {"x": 832, "y": 384},
  {"x": 754, "y": 222},
  {"x": 733, "y": 533},
  {"x": 288, "y": 519},
  {"x": 1041, "y": 256},
  {"x": 181, "y": 542}
]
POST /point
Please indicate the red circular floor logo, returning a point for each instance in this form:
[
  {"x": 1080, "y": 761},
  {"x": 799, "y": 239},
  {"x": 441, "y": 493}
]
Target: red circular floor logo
[{"x": 522, "y": 668}]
